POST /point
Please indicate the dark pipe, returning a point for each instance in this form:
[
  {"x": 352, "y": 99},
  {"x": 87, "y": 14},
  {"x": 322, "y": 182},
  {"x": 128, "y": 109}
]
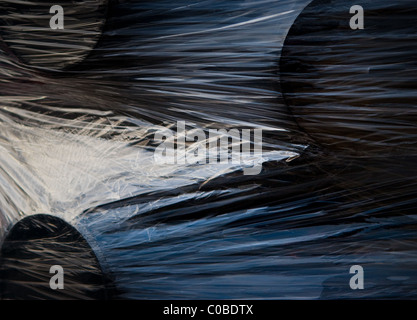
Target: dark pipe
[
  {"x": 26, "y": 30},
  {"x": 37, "y": 243},
  {"x": 354, "y": 90}
]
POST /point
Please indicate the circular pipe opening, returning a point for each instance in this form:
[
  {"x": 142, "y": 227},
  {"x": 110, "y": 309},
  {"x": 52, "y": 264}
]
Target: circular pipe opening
[
  {"x": 26, "y": 29},
  {"x": 39, "y": 242},
  {"x": 354, "y": 89}
]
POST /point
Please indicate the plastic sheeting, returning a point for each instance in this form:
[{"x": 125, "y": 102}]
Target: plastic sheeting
[{"x": 78, "y": 142}]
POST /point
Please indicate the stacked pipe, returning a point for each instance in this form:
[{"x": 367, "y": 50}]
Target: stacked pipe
[{"x": 338, "y": 181}]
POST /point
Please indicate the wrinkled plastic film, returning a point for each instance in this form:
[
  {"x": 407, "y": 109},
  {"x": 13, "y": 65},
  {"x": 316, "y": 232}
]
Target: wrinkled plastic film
[{"x": 78, "y": 144}]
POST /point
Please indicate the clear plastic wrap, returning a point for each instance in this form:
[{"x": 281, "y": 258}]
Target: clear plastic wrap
[{"x": 77, "y": 160}]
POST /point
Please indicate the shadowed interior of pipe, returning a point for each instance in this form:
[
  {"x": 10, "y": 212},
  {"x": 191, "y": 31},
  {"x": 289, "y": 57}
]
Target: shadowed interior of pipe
[
  {"x": 25, "y": 28},
  {"x": 37, "y": 243},
  {"x": 354, "y": 90}
]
